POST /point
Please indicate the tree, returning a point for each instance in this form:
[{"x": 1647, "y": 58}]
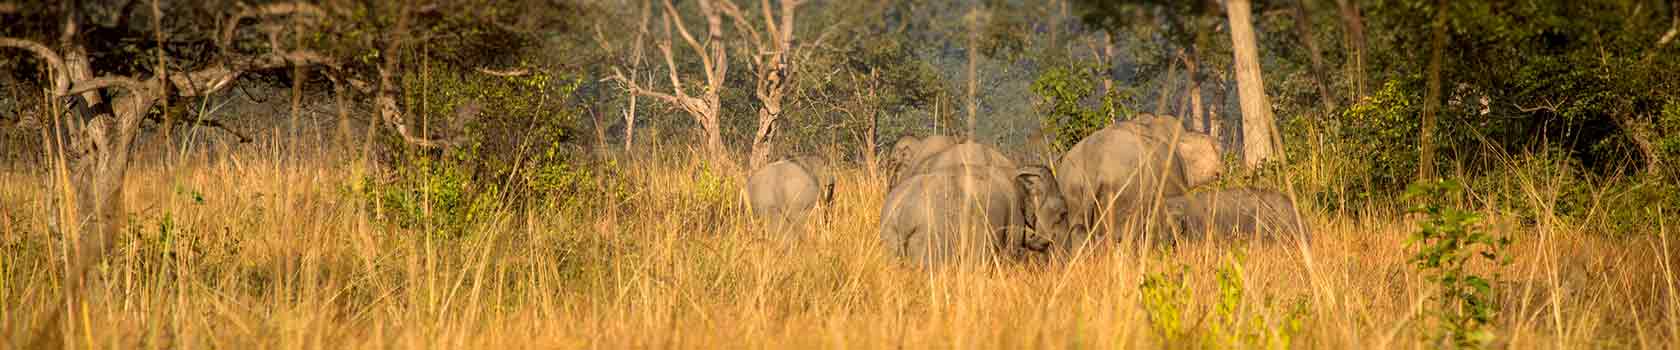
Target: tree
[
  {"x": 775, "y": 62},
  {"x": 1432, "y": 102},
  {"x": 1258, "y": 130},
  {"x": 1303, "y": 29},
  {"x": 973, "y": 20},
  {"x": 1353, "y": 25},
  {"x": 635, "y": 58},
  {"x": 707, "y": 107},
  {"x": 93, "y": 149}
]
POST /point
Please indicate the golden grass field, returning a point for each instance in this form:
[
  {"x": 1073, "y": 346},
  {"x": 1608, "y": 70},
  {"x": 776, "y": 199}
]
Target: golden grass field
[{"x": 265, "y": 249}]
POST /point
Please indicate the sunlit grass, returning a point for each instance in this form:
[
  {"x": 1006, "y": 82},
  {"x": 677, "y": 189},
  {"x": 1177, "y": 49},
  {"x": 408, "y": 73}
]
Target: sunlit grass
[{"x": 256, "y": 250}]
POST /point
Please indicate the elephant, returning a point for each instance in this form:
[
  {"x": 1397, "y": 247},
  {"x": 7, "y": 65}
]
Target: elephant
[
  {"x": 910, "y": 150},
  {"x": 784, "y": 190},
  {"x": 968, "y": 153},
  {"x": 973, "y": 213},
  {"x": 1117, "y": 176},
  {"x": 1233, "y": 213}
]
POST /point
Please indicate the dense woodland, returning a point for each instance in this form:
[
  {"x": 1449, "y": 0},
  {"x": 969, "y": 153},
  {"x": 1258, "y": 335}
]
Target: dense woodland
[{"x": 1546, "y": 113}]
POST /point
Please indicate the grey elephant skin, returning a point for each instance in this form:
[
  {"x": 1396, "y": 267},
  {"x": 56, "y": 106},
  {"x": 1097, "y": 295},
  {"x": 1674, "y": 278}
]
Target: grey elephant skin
[
  {"x": 783, "y": 191},
  {"x": 962, "y": 154},
  {"x": 1115, "y": 178},
  {"x": 1233, "y": 214},
  {"x": 910, "y": 150},
  {"x": 972, "y": 213}
]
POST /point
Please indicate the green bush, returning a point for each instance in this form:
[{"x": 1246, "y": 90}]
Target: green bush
[
  {"x": 517, "y": 150},
  {"x": 1448, "y": 240},
  {"x": 1378, "y": 137},
  {"x": 1065, "y": 115},
  {"x": 1235, "y": 324}
]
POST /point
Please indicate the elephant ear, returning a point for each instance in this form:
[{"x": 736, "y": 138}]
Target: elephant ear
[{"x": 1036, "y": 180}]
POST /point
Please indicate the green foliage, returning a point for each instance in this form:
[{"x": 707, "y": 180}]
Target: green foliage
[
  {"x": 1550, "y": 175},
  {"x": 438, "y": 196},
  {"x": 1633, "y": 207},
  {"x": 1447, "y": 241},
  {"x": 1231, "y": 329},
  {"x": 1167, "y": 302},
  {"x": 1667, "y": 131},
  {"x": 516, "y": 151},
  {"x": 1382, "y": 130},
  {"x": 1065, "y": 91},
  {"x": 1165, "y": 298}
]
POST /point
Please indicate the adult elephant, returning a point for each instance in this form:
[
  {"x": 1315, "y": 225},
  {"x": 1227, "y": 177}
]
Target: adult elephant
[
  {"x": 910, "y": 150},
  {"x": 783, "y": 191},
  {"x": 963, "y": 154},
  {"x": 973, "y": 213},
  {"x": 1116, "y": 177}
]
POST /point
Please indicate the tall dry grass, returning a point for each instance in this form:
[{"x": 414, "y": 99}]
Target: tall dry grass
[{"x": 267, "y": 249}]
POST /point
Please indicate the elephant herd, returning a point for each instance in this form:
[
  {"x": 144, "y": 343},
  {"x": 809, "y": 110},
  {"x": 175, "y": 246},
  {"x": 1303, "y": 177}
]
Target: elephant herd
[{"x": 951, "y": 200}]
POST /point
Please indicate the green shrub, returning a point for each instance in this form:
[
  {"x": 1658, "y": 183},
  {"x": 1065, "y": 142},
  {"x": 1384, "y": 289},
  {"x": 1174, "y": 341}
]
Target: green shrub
[
  {"x": 1377, "y": 141},
  {"x": 1235, "y": 324},
  {"x": 1447, "y": 241},
  {"x": 1065, "y": 115},
  {"x": 439, "y": 196}
]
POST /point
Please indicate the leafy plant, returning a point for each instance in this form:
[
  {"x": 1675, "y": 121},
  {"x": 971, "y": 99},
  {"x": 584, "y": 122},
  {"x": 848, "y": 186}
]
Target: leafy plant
[
  {"x": 1065, "y": 115},
  {"x": 1164, "y": 301},
  {"x": 1448, "y": 241}
]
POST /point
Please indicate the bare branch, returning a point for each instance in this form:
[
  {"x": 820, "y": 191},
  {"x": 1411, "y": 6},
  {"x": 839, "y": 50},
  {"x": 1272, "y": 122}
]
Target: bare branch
[
  {"x": 1546, "y": 105},
  {"x": 60, "y": 77},
  {"x": 225, "y": 41},
  {"x": 509, "y": 73},
  {"x": 630, "y": 84},
  {"x": 672, "y": 17},
  {"x": 127, "y": 83},
  {"x": 209, "y": 123}
]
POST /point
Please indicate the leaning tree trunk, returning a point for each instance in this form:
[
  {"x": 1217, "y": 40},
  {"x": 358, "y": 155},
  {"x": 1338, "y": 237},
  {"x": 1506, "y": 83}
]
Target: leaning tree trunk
[{"x": 1258, "y": 146}]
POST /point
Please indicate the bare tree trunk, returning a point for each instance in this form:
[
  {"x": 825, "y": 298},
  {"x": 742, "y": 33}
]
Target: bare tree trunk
[
  {"x": 1194, "y": 90},
  {"x": 1107, "y": 62},
  {"x": 1432, "y": 102},
  {"x": 1354, "y": 40},
  {"x": 163, "y": 72},
  {"x": 1303, "y": 28},
  {"x": 635, "y": 73},
  {"x": 707, "y": 106},
  {"x": 974, "y": 19},
  {"x": 1258, "y": 127},
  {"x": 341, "y": 103},
  {"x": 1167, "y": 85},
  {"x": 1214, "y": 123}
]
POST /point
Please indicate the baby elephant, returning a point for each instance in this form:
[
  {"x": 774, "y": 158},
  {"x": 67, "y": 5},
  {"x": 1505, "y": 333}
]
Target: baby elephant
[
  {"x": 783, "y": 191},
  {"x": 1233, "y": 214},
  {"x": 971, "y": 213}
]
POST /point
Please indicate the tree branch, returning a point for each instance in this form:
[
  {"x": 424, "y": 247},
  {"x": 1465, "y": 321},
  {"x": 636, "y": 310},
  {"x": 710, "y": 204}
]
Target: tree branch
[
  {"x": 225, "y": 40},
  {"x": 1546, "y": 105},
  {"x": 60, "y": 77},
  {"x": 508, "y": 73},
  {"x": 634, "y": 88},
  {"x": 670, "y": 17},
  {"x": 126, "y": 83}
]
